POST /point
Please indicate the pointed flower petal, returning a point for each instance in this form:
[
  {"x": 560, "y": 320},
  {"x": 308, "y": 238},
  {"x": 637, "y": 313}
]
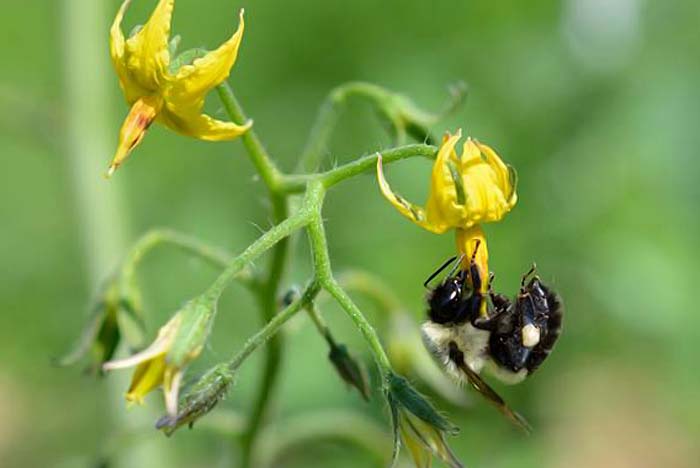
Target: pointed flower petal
[
  {"x": 130, "y": 86},
  {"x": 160, "y": 345},
  {"x": 171, "y": 388},
  {"x": 141, "y": 116},
  {"x": 413, "y": 212},
  {"x": 444, "y": 206},
  {"x": 147, "y": 51},
  {"x": 147, "y": 376},
  {"x": 201, "y": 125},
  {"x": 193, "y": 82}
]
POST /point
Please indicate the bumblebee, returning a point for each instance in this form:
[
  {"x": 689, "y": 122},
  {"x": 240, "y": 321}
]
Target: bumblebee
[{"x": 510, "y": 341}]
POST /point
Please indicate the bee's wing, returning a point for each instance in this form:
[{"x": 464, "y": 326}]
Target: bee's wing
[{"x": 490, "y": 394}]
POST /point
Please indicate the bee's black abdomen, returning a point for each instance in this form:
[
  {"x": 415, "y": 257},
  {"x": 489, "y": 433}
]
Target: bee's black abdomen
[
  {"x": 536, "y": 305},
  {"x": 508, "y": 351},
  {"x": 554, "y": 328}
]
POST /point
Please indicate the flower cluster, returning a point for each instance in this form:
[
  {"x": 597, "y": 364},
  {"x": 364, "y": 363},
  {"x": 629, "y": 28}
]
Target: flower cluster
[{"x": 467, "y": 190}]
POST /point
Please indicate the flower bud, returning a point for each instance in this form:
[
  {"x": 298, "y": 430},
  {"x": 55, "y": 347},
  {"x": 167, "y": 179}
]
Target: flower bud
[
  {"x": 419, "y": 425},
  {"x": 179, "y": 341},
  {"x": 200, "y": 398},
  {"x": 349, "y": 369}
]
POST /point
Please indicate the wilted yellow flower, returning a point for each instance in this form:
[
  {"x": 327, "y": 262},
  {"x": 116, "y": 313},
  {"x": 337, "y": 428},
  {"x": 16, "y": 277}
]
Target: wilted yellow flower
[
  {"x": 179, "y": 341},
  {"x": 157, "y": 92},
  {"x": 466, "y": 190},
  {"x": 152, "y": 370}
]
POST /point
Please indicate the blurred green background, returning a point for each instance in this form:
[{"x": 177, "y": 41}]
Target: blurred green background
[{"x": 595, "y": 102}]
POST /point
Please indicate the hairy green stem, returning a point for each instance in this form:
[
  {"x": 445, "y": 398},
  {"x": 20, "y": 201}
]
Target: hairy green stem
[
  {"x": 262, "y": 244},
  {"x": 256, "y": 150},
  {"x": 360, "y": 165},
  {"x": 319, "y": 322},
  {"x": 268, "y": 305},
  {"x": 280, "y": 187},
  {"x": 296, "y": 183},
  {"x": 273, "y": 326},
  {"x": 323, "y": 272}
]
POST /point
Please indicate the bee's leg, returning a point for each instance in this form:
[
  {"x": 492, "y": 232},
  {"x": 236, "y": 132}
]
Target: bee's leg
[
  {"x": 496, "y": 315},
  {"x": 530, "y": 272},
  {"x": 500, "y": 305}
]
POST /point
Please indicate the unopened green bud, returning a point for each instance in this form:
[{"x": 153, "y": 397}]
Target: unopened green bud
[
  {"x": 408, "y": 398},
  {"x": 199, "y": 399},
  {"x": 349, "y": 369},
  {"x": 419, "y": 425}
]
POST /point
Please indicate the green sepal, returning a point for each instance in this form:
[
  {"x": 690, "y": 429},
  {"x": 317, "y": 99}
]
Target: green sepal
[
  {"x": 196, "y": 320},
  {"x": 395, "y": 422},
  {"x": 418, "y": 405},
  {"x": 186, "y": 58},
  {"x": 174, "y": 44},
  {"x": 513, "y": 180},
  {"x": 459, "y": 186}
]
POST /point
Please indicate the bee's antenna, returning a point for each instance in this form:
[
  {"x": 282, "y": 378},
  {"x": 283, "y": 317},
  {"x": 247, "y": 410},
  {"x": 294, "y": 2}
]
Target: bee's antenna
[
  {"x": 476, "y": 249},
  {"x": 442, "y": 267},
  {"x": 532, "y": 270},
  {"x": 457, "y": 265}
]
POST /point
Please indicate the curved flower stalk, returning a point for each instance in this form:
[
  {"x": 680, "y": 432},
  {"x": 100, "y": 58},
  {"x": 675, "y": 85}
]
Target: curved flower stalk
[
  {"x": 164, "y": 90},
  {"x": 466, "y": 191}
]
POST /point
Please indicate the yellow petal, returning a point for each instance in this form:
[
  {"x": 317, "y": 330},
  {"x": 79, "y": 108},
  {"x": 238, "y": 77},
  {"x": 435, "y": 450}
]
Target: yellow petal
[
  {"x": 140, "y": 117},
  {"x": 428, "y": 440},
  {"x": 147, "y": 376},
  {"x": 192, "y": 82},
  {"x": 147, "y": 53},
  {"x": 202, "y": 126},
  {"x": 132, "y": 90},
  {"x": 443, "y": 207},
  {"x": 413, "y": 212},
  {"x": 490, "y": 195},
  {"x": 171, "y": 388},
  {"x": 422, "y": 458},
  {"x": 505, "y": 174}
]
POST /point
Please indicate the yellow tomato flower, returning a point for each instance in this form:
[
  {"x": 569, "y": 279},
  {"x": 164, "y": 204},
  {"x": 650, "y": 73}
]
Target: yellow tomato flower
[
  {"x": 465, "y": 191},
  {"x": 476, "y": 187},
  {"x": 155, "y": 92},
  {"x": 153, "y": 369}
]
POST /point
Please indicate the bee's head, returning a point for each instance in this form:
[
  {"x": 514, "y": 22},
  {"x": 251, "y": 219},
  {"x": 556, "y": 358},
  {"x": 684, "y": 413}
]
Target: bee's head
[{"x": 445, "y": 300}]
